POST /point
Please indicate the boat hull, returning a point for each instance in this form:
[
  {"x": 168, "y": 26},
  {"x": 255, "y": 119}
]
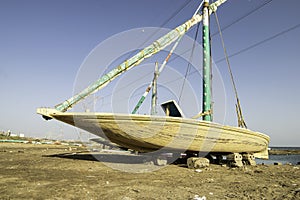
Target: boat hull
[{"x": 147, "y": 133}]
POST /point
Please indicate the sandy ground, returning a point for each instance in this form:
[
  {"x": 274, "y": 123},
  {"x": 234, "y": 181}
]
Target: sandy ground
[{"x": 30, "y": 171}]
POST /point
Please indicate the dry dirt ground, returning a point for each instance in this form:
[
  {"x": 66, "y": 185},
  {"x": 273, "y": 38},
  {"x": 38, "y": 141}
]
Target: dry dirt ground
[{"x": 30, "y": 171}]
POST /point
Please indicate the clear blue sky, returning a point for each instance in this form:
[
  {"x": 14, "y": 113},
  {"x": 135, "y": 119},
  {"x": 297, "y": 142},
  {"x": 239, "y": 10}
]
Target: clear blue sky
[{"x": 44, "y": 43}]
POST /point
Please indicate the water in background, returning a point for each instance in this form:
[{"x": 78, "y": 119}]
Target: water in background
[{"x": 294, "y": 159}]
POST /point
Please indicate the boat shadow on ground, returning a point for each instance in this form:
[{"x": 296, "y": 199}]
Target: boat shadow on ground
[{"x": 102, "y": 157}]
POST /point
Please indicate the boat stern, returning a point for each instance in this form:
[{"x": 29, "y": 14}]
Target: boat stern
[{"x": 262, "y": 154}]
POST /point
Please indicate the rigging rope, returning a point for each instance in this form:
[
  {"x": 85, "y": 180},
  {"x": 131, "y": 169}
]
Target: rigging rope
[
  {"x": 231, "y": 24},
  {"x": 259, "y": 43},
  {"x": 162, "y": 25},
  {"x": 241, "y": 51},
  {"x": 244, "y": 16},
  {"x": 192, "y": 53},
  {"x": 241, "y": 121},
  {"x": 162, "y": 67},
  {"x": 199, "y": 7},
  {"x": 227, "y": 26},
  {"x": 156, "y": 76},
  {"x": 189, "y": 64}
]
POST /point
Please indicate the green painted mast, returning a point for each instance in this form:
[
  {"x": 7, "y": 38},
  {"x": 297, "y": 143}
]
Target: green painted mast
[{"x": 207, "y": 105}]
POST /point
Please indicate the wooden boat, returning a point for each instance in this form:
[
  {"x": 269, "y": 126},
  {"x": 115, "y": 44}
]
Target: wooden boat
[{"x": 148, "y": 133}]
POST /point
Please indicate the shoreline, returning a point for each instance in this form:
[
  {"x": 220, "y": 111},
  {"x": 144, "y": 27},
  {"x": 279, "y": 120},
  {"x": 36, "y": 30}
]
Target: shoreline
[{"x": 284, "y": 152}]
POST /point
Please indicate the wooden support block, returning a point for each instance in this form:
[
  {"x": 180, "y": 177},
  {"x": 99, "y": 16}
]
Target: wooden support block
[
  {"x": 235, "y": 160},
  {"x": 249, "y": 159}
]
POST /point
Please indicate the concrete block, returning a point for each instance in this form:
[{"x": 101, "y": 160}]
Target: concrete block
[{"x": 197, "y": 163}]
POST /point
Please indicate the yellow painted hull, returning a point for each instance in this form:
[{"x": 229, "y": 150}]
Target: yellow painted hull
[{"x": 150, "y": 133}]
